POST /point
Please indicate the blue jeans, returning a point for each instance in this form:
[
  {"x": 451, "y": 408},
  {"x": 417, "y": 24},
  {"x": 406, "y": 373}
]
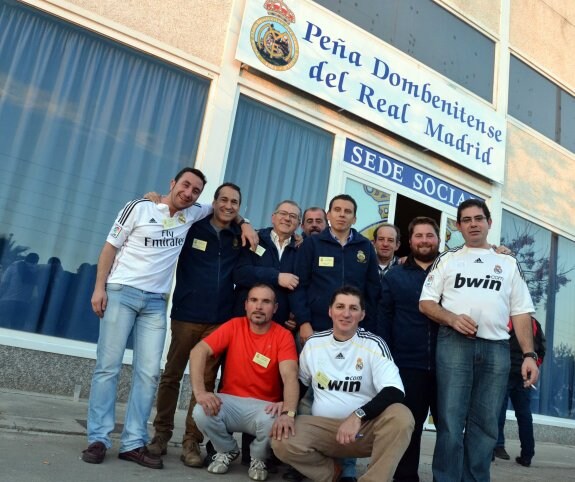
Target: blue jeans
[
  {"x": 143, "y": 314},
  {"x": 521, "y": 400},
  {"x": 471, "y": 383}
]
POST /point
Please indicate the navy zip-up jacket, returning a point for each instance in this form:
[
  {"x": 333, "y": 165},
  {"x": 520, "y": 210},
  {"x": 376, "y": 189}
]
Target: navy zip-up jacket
[
  {"x": 266, "y": 268},
  {"x": 410, "y": 335},
  {"x": 323, "y": 265},
  {"x": 204, "y": 277}
]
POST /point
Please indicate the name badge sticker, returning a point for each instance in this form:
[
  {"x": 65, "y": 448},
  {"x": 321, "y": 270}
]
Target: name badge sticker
[
  {"x": 261, "y": 360},
  {"x": 169, "y": 223},
  {"x": 260, "y": 250},
  {"x": 199, "y": 244},
  {"x": 326, "y": 261},
  {"x": 322, "y": 379}
]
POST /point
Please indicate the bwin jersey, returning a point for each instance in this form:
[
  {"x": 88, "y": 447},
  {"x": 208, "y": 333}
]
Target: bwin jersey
[
  {"x": 482, "y": 284},
  {"x": 149, "y": 241},
  {"x": 345, "y": 375}
]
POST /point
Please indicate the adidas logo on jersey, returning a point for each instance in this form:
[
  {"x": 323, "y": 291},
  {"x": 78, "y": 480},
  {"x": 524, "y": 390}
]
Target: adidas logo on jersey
[
  {"x": 478, "y": 260},
  {"x": 153, "y": 221},
  {"x": 340, "y": 356}
]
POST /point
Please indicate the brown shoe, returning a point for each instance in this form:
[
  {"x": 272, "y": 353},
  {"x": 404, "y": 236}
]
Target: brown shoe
[
  {"x": 159, "y": 444},
  {"x": 191, "y": 455},
  {"x": 95, "y": 453},
  {"x": 142, "y": 457}
]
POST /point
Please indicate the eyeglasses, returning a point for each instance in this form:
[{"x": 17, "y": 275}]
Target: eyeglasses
[
  {"x": 477, "y": 219},
  {"x": 285, "y": 214}
]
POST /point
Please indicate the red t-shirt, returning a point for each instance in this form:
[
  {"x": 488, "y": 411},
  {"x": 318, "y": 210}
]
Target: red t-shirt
[{"x": 252, "y": 360}]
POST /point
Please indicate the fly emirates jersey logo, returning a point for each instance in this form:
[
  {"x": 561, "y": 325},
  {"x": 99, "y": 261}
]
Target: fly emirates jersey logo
[{"x": 166, "y": 239}]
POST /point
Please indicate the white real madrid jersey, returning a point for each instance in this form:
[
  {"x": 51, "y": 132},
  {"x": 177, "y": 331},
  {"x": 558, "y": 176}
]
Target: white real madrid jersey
[
  {"x": 346, "y": 375},
  {"x": 482, "y": 284},
  {"x": 149, "y": 241}
]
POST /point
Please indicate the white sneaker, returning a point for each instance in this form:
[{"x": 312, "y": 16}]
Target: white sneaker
[
  {"x": 258, "y": 470},
  {"x": 221, "y": 462}
]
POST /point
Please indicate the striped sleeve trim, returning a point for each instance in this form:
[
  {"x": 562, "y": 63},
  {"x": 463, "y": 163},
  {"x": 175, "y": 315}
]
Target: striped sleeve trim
[
  {"x": 518, "y": 266},
  {"x": 438, "y": 259},
  {"x": 367, "y": 335},
  {"x": 322, "y": 334},
  {"x": 128, "y": 210}
]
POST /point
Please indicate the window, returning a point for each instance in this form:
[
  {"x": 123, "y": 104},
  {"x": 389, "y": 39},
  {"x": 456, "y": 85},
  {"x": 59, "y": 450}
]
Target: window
[
  {"x": 87, "y": 125},
  {"x": 548, "y": 263},
  {"x": 541, "y": 104},
  {"x": 275, "y": 156},
  {"x": 456, "y": 50}
]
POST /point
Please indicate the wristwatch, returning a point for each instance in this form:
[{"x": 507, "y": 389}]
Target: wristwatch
[
  {"x": 289, "y": 413},
  {"x": 530, "y": 354},
  {"x": 360, "y": 413},
  {"x": 244, "y": 221}
]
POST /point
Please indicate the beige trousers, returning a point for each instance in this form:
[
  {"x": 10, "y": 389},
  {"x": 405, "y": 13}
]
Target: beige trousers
[{"x": 313, "y": 448}]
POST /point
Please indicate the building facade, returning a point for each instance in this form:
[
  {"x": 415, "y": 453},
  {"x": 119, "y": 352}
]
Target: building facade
[{"x": 410, "y": 106}]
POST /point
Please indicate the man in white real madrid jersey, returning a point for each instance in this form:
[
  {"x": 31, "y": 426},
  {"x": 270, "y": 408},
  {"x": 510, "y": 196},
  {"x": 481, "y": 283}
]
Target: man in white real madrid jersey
[
  {"x": 133, "y": 281},
  {"x": 357, "y": 409},
  {"x": 471, "y": 292}
]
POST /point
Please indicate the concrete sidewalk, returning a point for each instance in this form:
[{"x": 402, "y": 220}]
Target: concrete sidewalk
[{"x": 42, "y": 436}]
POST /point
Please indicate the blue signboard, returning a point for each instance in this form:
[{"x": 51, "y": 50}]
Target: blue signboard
[{"x": 389, "y": 168}]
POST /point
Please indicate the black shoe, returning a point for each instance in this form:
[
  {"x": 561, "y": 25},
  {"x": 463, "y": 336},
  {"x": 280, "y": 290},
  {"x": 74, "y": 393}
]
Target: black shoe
[
  {"x": 522, "y": 461},
  {"x": 501, "y": 453},
  {"x": 293, "y": 474},
  {"x": 95, "y": 453},
  {"x": 142, "y": 457}
]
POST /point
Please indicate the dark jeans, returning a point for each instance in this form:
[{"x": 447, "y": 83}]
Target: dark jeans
[
  {"x": 521, "y": 400},
  {"x": 420, "y": 396}
]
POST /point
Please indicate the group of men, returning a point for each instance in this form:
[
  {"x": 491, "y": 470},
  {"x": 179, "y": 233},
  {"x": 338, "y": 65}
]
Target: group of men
[{"x": 240, "y": 298}]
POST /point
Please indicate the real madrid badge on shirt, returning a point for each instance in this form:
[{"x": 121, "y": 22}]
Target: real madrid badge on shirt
[
  {"x": 326, "y": 261},
  {"x": 260, "y": 250},
  {"x": 199, "y": 244},
  {"x": 182, "y": 218},
  {"x": 169, "y": 223},
  {"x": 261, "y": 360}
]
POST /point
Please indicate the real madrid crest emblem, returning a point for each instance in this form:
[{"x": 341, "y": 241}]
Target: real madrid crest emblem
[
  {"x": 498, "y": 269},
  {"x": 360, "y": 256},
  {"x": 359, "y": 365},
  {"x": 273, "y": 42},
  {"x": 182, "y": 218}
]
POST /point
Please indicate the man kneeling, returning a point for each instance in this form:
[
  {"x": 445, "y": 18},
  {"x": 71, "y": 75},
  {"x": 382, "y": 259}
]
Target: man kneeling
[
  {"x": 260, "y": 356},
  {"x": 348, "y": 367}
]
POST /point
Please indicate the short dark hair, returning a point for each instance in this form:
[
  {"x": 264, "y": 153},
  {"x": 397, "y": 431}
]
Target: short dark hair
[
  {"x": 231, "y": 185},
  {"x": 470, "y": 203},
  {"x": 348, "y": 290},
  {"x": 194, "y": 171},
  {"x": 264, "y": 285},
  {"x": 387, "y": 225},
  {"x": 315, "y": 208},
  {"x": 422, "y": 220},
  {"x": 344, "y": 197}
]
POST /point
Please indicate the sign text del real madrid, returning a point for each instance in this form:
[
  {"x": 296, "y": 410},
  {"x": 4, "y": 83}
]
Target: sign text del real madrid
[{"x": 306, "y": 46}]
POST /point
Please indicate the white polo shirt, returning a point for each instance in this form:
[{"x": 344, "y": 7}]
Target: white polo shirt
[{"x": 149, "y": 242}]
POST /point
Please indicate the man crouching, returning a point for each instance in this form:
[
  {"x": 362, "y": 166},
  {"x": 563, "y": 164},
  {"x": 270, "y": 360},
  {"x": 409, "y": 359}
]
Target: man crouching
[
  {"x": 348, "y": 367},
  {"x": 260, "y": 357}
]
